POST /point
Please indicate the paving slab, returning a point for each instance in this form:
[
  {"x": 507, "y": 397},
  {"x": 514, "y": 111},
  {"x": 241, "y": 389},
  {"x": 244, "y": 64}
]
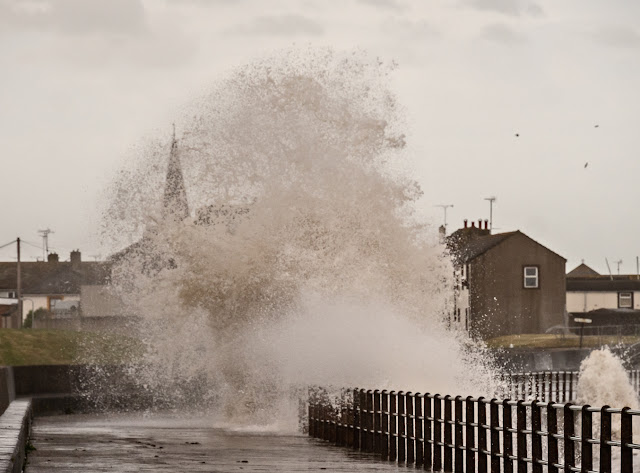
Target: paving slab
[{"x": 138, "y": 443}]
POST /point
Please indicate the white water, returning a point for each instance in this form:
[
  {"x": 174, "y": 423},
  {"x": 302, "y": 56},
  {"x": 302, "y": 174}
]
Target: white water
[
  {"x": 604, "y": 381},
  {"x": 320, "y": 273}
]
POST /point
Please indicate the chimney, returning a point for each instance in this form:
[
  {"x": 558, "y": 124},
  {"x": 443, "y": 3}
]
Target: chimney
[
  {"x": 473, "y": 224},
  {"x": 480, "y": 223},
  {"x": 52, "y": 257},
  {"x": 75, "y": 259},
  {"x": 486, "y": 224},
  {"x": 465, "y": 223}
]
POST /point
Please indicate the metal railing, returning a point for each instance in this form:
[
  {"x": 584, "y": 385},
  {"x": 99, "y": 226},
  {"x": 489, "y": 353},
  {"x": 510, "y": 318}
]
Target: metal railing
[
  {"x": 456, "y": 434},
  {"x": 547, "y": 386}
]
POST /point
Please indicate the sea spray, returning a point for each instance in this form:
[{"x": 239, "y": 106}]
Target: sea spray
[
  {"x": 604, "y": 381},
  {"x": 303, "y": 261}
]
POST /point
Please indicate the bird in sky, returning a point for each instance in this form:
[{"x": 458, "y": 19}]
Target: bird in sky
[
  {"x": 517, "y": 134},
  {"x": 586, "y": 164},
  {"x": 597, "y": 126}
]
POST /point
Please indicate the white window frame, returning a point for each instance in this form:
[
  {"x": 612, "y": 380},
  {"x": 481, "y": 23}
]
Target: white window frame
[
  {"x": 628, "y": 296},
  {"x": 530, "y": 276}
]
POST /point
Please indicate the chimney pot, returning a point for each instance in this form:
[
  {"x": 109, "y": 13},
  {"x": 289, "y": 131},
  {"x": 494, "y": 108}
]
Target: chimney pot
[
  {"x": 473, "y": 224},
  {"x": 486, "y": 224},
  {"x": 480, "y": 223},
  {"x": 466, "y": 223}
]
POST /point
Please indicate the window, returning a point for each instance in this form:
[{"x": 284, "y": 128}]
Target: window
[
  {"x": 625, "y": 300},
  {"x": 531, "y": 279}
]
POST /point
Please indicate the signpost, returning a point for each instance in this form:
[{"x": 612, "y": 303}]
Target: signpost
[{"x": 582, "y": 321}]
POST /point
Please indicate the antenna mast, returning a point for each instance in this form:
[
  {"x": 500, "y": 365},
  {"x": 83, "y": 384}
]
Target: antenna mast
[
  {"x": 619, "y": 262},
  {"x": 609, "y": 268},
  {"x": 491, "y": 200},
  {"x": 45, "y": 242},
  {"x": 444, "y": 207}
]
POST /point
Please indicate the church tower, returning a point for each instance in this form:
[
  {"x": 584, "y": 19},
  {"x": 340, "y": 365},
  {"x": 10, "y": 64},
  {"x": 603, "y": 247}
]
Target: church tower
[{"x": 174, "y": 204}]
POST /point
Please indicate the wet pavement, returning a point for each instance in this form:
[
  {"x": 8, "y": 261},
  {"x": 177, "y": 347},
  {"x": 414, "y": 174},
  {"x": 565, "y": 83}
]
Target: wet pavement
[{"x": 135, "y": 443}]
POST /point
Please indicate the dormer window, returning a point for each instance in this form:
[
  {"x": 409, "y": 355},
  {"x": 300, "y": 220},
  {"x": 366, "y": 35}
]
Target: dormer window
[{"x": 531, "y": 277}]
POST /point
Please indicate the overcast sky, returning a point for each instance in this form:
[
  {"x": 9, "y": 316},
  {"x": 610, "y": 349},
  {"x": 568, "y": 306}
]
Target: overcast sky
[{"x": 84, "y": 81}]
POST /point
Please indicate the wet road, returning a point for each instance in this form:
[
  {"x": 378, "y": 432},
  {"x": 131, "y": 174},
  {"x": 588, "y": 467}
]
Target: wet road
[{"x": 135, "y": 443}]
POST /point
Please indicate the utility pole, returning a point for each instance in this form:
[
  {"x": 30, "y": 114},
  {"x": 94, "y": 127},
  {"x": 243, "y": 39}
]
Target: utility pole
[
  {"x": 19, "y": 285},
  {"x": 491, "y": 200},
  {"x": 444, "y": 207},
  {"x": 45, "y": 242},
  {"x": 619, "y": 262}
]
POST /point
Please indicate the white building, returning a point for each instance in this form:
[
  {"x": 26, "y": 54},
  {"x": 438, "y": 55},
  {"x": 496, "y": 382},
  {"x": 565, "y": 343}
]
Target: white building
[{"x": 588, "y": 291}]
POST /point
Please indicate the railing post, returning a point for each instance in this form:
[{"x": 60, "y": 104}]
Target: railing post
[
  {"x": 494, "y": 423},
  {"x": 552, "y": 446},
  {"x": 357, "y": 422},
  {"x": 377, "y": 421},
  {"x": 605, "y": 437},
  {"x": 402, "y": 429},
  {"x": 437, "y": 433},
  {"x": 586, "y": 434},
  {"x": 626, "y": 438},
  {"x": 568, "y": 432},
  {"x": 411, "y": 446},
  {"x": 385, "y": 426},
  {"x": 364, "y": 421},
  {"x": 393, "y": 434},
  {"x": 419, "y": 429},
  {"x": 470, "y": 433},
  {"x": 369, "y": 416},
  {"x": 448, "y": 438},
  {"x": 521, "y": 436},
  {"x": 571, "y": 396},
  {"x": 458, "y": 454},
  {"x": 311, "y": 419},
  {"x": 536, "y": 438},
  {"x": 482, "y": 435},
  {"x": 507, "y": 436},
  {"x": 428, "y": 429}
]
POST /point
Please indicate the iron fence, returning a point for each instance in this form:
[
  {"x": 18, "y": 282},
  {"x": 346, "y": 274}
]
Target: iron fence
[
  {"x": 463, "y": 435},
  {"x": 550, "y": 386}
]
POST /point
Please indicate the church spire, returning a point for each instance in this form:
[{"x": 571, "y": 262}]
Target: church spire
[{"x": 174, "y": 204}]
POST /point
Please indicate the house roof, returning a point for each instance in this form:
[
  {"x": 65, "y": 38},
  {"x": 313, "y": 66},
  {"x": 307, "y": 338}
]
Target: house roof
[
  {"x": 54, "y": 277},
  {"x": 603, "y": 283},
  {"x": 582, "y": 271},
  {"x": 467, "y": 245},
  {"x": 481, "y": 245}
]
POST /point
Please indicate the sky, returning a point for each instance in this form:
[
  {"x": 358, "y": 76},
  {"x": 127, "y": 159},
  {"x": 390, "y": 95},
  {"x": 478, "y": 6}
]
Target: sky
[{"x": 534, "y": 102}]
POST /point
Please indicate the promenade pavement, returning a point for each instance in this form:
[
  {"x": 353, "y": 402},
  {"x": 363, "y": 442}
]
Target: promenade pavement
[{"x": 136, "y": 443}]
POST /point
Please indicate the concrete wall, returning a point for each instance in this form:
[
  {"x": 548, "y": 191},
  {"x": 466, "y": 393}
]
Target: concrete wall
[
  {"x": 523, "y": 359},
  {"x": 7, "y": 387},
  {"x": 500, "y": 305}
]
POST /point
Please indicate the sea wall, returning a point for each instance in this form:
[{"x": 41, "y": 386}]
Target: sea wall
[
  {"x": 537, "y": 359},
  {"x": 7, "y": 387}
]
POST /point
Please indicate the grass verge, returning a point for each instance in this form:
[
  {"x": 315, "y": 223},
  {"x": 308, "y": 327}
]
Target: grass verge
[
  {"x": 547, "y": 340},
  {"x": 56, "y": 347}
]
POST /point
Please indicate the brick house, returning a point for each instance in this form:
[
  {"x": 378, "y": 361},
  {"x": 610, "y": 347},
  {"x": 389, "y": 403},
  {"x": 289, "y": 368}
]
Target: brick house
[{"x": 506, "y": 283}]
